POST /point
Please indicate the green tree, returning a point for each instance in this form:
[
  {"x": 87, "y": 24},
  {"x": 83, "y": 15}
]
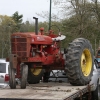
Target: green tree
[
  {"x": 18, "y": 20},
  {"x": 7, "y": 26},
  {"x": 27, "y": 27}
]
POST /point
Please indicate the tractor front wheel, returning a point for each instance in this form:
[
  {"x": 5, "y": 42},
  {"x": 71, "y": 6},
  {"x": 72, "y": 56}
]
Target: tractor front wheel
[
  {"x": 12, "y": 82},
  {"x": 24, "y": 74},
  {"x": 79, "y": 62}
]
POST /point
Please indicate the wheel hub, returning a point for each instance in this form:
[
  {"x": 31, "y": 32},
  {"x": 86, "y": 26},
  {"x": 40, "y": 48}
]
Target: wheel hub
[
  {"x": 35, "y": 71},
  {"x": 86, "y": 62}
]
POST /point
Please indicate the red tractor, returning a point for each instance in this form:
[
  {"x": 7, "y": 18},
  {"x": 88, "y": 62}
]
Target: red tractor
[{"x": 35, "y": 55}]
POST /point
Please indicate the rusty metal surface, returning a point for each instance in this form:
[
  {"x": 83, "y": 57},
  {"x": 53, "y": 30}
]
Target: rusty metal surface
[
  {"x": 13, "y": 60},
  {"x": 54, "y": 91}
]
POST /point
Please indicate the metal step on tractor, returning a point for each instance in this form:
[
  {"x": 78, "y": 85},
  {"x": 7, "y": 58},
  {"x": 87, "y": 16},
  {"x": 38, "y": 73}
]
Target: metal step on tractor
[{"x": 34, "y": 55}]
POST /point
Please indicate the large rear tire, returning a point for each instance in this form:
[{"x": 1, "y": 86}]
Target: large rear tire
[
  {"x": 24, "y": 74},
  {"x": 79, "y": 62},
  {"x": 12, "y": 81},
  {"x": 34, "y": 75}
]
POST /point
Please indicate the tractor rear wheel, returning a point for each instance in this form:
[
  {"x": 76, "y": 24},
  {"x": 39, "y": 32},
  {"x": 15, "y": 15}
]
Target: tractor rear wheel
[
  {"x": 79, "y": 62},
  {"x": 34, "y": 74},
  {"x": 24, "y": 74},
  {"x": 12, "y": 81}
]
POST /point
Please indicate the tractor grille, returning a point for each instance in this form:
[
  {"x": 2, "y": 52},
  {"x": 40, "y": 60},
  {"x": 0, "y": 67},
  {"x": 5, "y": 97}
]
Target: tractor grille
[
  {"x": 19, "y": 40},
  {"x": 19, "y": 46}
]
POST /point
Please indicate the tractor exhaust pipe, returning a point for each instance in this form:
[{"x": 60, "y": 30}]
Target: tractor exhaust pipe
[{"x": 36, "y": 25}]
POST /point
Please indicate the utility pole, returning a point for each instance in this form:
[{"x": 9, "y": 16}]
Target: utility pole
[{"x": 50, "y": 15}]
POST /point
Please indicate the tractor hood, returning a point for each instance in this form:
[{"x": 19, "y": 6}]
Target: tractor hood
[{"x": 33, "y": 38}]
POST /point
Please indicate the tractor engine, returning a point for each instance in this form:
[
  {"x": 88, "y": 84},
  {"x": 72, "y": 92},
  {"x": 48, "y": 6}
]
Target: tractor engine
[{"x": 38, "y": 49}]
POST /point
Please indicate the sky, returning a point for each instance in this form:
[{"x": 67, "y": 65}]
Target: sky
[{"x": 28, "y": 8}]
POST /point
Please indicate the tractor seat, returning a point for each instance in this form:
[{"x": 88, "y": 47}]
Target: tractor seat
[{"x": 59, "y": 38}]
